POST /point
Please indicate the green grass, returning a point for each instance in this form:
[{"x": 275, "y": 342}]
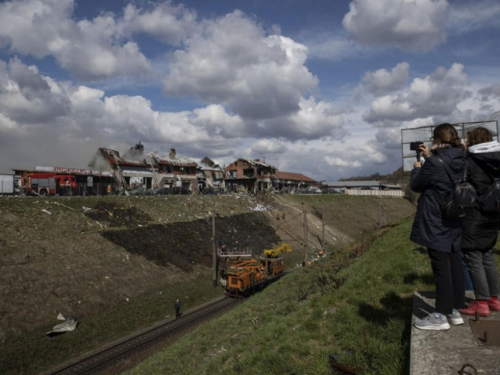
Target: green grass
[
  {"x": 356, "y": 215},
  {"x": 34, "y": 352},
  {"x": 358, "y": 308}
]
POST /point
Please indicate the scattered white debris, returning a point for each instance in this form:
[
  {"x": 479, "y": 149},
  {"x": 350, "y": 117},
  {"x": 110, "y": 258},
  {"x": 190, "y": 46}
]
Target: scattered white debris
[
  {"x": 86, "y": 209},
  {"x": 259, "y": 207},
  {"x": 99, "y": 224},
  {"x": 70, "y": 324},
  {"x": 47, "y": 212}
]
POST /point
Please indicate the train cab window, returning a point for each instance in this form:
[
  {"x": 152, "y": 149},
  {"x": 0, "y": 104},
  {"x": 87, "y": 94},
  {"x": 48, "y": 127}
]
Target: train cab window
[
  {"x": 65, "y": 178},
  {"x": 72, "y": 179}
]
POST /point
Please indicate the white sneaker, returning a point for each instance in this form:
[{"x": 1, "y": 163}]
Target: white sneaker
[
  {"x": 455, "y": 318},
  {"x": 433, "y": 322}
]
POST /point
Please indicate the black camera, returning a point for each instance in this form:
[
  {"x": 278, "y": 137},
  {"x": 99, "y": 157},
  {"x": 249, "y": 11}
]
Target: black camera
[{"x": 415, "y": 146}]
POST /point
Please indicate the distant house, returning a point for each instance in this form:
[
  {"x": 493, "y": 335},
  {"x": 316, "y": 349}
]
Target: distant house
[
  {"x": 289, "y": 182},
  {"x": 210, "y": 174},
  {"x": 132, "y": 170},
  {"x": 175, "y": 171},
  {"x": 250, "y": 175},
  {"x": 135, "y": 169}
]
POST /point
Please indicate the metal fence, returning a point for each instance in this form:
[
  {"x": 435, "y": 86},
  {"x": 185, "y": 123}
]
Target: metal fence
[
  {"x": 234, "y": 253},
  {"x": 424, "y": 134},
  {"x": 382, "y": 193}
]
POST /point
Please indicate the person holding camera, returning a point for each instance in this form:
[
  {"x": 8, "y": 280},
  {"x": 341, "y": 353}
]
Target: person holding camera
[
  {"x": 480, "y": 227},
  {"x": 432, "y": 229}
]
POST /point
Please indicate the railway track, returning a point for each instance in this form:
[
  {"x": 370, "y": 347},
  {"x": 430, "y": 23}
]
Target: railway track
[{"x": 103, "y": 359}]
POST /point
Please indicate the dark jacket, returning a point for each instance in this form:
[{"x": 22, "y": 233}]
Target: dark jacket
[
  {"x": 480, "y": 229},
  {"x": 430, "y": 228},
  {"x": 177, "y": 305}
]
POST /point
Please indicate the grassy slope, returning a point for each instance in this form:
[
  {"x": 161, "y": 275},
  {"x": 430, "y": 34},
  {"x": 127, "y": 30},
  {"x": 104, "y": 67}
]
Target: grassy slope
[
  {"x": 356, "y": 215},
  {"x": 277, "y": 332},
  {"x": 60, "y": 263},
  {"x": 347, "y": 218},
  {"x": 42, "y": 282},
  {"x": 33, "y": 352}
]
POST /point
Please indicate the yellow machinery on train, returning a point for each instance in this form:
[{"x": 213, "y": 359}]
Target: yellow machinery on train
[{"x": 244, "y": 276}]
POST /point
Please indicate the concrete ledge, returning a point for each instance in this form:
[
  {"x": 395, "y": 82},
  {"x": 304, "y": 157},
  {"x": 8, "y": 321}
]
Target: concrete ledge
[{"x": 445, "y": 352}]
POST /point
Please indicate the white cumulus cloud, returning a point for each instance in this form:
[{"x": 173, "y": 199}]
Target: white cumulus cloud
[
  {"x": 232, "y": 61},
  {"x": 269, "y": 146},
  {"x": 381, "y": 82},
  {"x": 338, "y": 162},
  {"x": 88, "y": 49},
  {"x": 435, "y": 95},
  {"x": 408, "y": 24}
]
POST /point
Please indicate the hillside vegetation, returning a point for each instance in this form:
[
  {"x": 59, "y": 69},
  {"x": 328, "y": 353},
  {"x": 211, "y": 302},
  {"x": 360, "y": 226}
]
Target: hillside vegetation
[
  {"x": 354, "y": 306},
  {"x": 118, "y": 263}
]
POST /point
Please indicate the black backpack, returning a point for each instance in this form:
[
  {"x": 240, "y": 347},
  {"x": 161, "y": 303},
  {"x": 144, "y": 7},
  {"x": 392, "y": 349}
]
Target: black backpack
[
  {"x": 489, "y": 201},
  {"x": 461, "y": 199}
]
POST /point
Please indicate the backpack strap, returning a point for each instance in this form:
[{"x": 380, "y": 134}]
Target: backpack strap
[{"x": 448, "y": 169}]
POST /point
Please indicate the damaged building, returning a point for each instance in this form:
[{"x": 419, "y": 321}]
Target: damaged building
[
  {"x": 210, "y": 174},
  {"x": 135, "y": 169},
  {"x": 173, "y": 171},
  {"x": 250, "y": 175},
  {"x": 130, "y": 171}
]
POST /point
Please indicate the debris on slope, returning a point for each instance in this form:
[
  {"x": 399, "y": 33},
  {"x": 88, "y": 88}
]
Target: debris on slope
[{"x": 118, "y": 216}]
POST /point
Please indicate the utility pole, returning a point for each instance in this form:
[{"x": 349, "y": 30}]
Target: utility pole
[
  {"x": 305, "y": 237},
  {"x": 379, "y": 222},
  {"x": 215, "y": 259},
  {"x": 323, "y": 230}
]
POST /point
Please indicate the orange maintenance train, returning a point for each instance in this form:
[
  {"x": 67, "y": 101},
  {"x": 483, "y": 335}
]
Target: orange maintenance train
[{"x": 245, "y": 276}]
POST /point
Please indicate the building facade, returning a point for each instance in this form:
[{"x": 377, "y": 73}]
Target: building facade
[
  {"x": 250, "y": 175},
  {"x": 289, "y": 182},
  {"x": 172, "y": 171},
  {"x": 210, "y": 175}
]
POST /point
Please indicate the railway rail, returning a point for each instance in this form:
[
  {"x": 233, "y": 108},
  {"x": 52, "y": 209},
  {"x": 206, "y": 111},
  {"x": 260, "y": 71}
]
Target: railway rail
[{"x": 103, "y": 359}]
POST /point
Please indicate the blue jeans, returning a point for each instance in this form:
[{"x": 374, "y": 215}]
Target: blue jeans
[{"x": 468, "y": 281}]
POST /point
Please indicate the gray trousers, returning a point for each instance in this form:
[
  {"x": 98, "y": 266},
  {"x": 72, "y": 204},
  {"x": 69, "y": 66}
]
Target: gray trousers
[{"x": 483, "y": 272}]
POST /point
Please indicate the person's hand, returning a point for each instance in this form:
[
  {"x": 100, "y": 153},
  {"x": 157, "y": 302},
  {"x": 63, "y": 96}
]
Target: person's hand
[
  {"x": 417, "y": 164},
  {"x": 425, "y": 151}
]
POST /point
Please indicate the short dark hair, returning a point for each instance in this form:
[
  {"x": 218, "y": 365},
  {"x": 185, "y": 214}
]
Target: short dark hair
[
  {"x": 446, "y": 133},
  {"x": 478, "y": 135}
]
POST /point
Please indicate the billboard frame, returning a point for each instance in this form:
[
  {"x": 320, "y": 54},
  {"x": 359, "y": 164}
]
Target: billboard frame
[{"x": 457, "y": 124}]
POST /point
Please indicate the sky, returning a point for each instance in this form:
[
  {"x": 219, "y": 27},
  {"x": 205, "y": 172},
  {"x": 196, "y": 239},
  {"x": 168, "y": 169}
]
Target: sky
[{"x": 317, "y": 87}]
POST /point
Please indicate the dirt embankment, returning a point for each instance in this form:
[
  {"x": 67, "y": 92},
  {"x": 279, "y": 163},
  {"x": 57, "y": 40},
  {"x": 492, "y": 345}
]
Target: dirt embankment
[
  {"x": 82, "y": 255},
  {"x": 118, "y": 216},
  {"x": 189, "y": 243}
]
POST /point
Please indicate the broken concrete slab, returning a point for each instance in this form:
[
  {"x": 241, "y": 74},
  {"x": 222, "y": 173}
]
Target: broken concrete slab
[{"x": 446, "y": 352}]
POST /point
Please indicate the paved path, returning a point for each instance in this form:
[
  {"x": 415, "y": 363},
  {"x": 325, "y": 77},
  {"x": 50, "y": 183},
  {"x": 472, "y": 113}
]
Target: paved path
[{"x": 445, "y": 352}]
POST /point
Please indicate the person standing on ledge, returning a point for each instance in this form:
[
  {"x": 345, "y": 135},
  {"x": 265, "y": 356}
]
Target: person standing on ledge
[
  {"x": 480, "y": 228},
  {"x": 177, "y": 306},
  {"x": 441, "y": 236}
]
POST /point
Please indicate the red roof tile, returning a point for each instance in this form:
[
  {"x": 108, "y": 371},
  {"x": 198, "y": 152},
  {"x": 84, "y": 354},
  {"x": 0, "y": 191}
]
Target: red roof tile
[{"x": 293, "y": 176}]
